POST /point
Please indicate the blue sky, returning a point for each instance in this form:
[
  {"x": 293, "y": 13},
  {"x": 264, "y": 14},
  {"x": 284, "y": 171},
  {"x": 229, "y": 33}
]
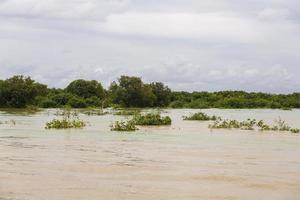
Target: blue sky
[{"x": 190, "y": 45}]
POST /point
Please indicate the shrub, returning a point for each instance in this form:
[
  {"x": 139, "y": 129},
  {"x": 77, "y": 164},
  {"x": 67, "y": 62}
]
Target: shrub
[
  {"x": 295, "y": 130},
  {"x": 124, "y": 126},
  {"x": 128, "y": 112},
  {"x": 200, "y": 116},
  {"x": 47, "y": 103},
  {"x": 152, "y": 119},
  {"x": 69, "y": 120},
  {"x": 77, "y": 102},
  {"x": 98, "y": 112}
]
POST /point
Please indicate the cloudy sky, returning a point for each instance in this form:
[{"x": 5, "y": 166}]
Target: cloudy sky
[{"x": 251, "y": 45}]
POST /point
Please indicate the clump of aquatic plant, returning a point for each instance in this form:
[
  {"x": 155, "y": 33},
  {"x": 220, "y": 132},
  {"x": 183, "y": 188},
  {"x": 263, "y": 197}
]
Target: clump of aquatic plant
[
  {"x": 295, "y": 130},
  {"x": 97, "y": 112},
  {"x": 200, "y": 116},
  {"x": 152, "y": 119},
  {"x": 263, "y": 126},
  {"x": 282, "y": 125},
  {"x": 126, "y": 126},
  {"x": 252, "y": 124},
  {"x": 69, "y": 119},
  {"x": 225, "y": 124},
  {"x": 249, "y": 124},
  {"x": 128, "y": 112},
  {"x": 11, "y": 122}
]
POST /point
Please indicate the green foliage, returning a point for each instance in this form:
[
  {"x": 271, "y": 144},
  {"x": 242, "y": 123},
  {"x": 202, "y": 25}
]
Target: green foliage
[
  {"x": 132, "y": 92},
  {"x": 127, "y": 126},
  {"x": 200, "y": 116},
  {"x": 97, "y": 112},
  {"x": 69, "y": 120},
  {"x": 77, "y": 102},
  {"x": 295, "y": 130},
  {"x": 162, "y": 94},
  {"x": 128, "y": 112},
  {"x": 86, "y": 89},
  {"x": 152, "y": 119},
  {"x": 20, "y": 91},
  {"x": 234, "y": 99},
  {"x": 252, "y": 124}
]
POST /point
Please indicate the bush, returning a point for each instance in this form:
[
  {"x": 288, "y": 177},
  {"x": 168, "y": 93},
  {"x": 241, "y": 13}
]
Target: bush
[
  {"x": 94, "y": 112},
  {"x": 151, "y": 119},
  {"x": 124, "y": 126},
  {"x": 128, "y": 112},
  {"x": 77, "y": 102},
  {"x": 200, "y": 116},
  {"x": 47, "y": 103},
  {"x": 295, "y": 130},
  {"x": 69, "y": 120}
]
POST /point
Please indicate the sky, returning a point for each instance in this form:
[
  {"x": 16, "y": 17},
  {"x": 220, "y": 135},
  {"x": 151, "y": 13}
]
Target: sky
[{"x": 192, "y": 45}]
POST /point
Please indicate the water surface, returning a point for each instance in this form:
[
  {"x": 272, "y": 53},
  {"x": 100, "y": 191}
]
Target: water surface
[{"x": 183, "y": 161}]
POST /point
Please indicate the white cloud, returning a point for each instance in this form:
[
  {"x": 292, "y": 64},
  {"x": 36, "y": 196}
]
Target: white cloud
[
  {"x": 57, "y": 9},
  {"x": 190, "y": 45}
]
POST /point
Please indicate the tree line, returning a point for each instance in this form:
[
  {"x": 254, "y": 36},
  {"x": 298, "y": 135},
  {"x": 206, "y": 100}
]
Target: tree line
[{"x": 21, "y": 91}]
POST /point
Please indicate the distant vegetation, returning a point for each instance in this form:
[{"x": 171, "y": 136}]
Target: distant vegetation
[
  {"x": 21, "y": 92},
  {"x": 128, "y": 112},
  {"x": 200, "y": 116}
]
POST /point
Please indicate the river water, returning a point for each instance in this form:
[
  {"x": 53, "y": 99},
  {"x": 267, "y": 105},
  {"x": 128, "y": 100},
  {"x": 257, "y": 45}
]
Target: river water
[{"x": 184, "y": 161}]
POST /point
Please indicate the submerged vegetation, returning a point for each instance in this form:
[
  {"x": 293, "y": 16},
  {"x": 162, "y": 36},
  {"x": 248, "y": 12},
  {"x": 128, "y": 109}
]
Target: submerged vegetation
[
  {"x": 69, "y": 119},
  {"x": 10, "y": 122},
  {"x": 95, "y": 112},
  {"x": 152, "y": 119},
  {"x": 126, "y": 126},
  {"x": 128, "y": 112},
  {"x": 149, "y": 119},
  {"x": 20, "y": 92},
  {"x": 200, "y": 116},
  {"x": 252, "y": 124}
]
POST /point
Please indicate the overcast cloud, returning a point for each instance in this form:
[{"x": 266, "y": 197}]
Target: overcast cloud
[{"x": 190, "y": 45}]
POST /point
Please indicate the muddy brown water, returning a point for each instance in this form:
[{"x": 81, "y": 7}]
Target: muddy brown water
[{"x": 183, "y": 161}]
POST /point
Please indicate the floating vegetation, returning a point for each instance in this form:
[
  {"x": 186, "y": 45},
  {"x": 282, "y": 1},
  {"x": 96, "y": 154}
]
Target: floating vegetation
[
  {"x": 128, "y": 112},
  {"x": 295, "y": 130},
  {"x": 69, "y": 119},
  {"x": 10, "y": 122},
  {"x": 200, "y": 116},
  {"x": 97, "y": 112},
  {"x": 152, "y": 119},
  {"x": 126, "y": 126},
  {"x": 252, "y": 124}
]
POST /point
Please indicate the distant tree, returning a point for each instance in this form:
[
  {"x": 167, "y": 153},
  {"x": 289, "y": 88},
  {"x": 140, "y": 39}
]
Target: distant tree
[
  {"x": 162, "y": 94},
  {"x": 20, "y": 91},
  {"x": 86, "y": 89},
  {"x": 131, "y": 92}
]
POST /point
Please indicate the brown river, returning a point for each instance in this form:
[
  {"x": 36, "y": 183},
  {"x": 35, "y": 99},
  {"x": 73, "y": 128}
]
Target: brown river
[{"x": 183, "y": 161}]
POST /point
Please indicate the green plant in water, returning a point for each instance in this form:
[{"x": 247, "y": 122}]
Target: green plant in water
[
  {"x": 12, "y": 122},
  {"x": 128, "y": 112},
  {"x": 69, "y": 119},
  {"x": 97, "y": 112},
  {"x": 295, "y": 130},
  {"x": 152, "y": 119},
  {"x": 200, "y": 116},
  {"x": 126, "y": 126}
]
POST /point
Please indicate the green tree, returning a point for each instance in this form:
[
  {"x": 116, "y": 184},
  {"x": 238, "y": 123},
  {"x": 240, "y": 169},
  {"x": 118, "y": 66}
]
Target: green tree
[
  {"x": 86, "y": 89},
  {"x": 19, "y": 91},
  {"x": 162, "y": 94}
]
